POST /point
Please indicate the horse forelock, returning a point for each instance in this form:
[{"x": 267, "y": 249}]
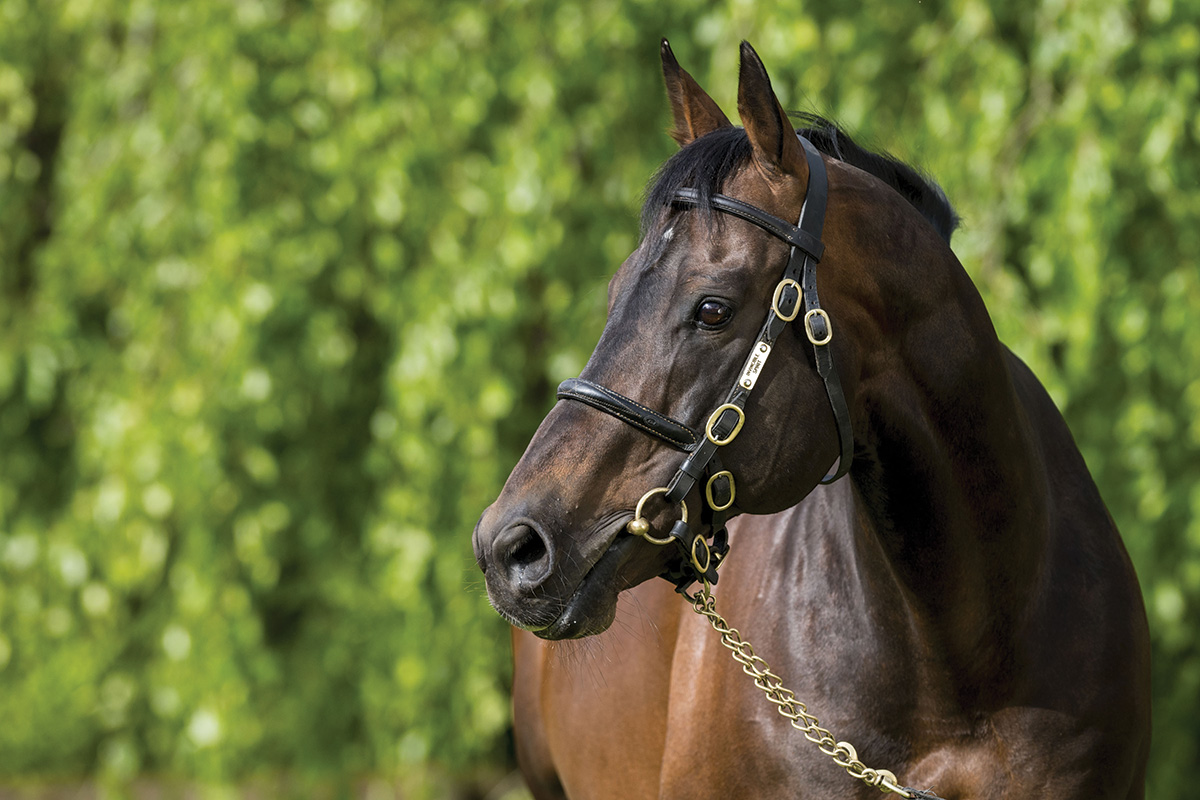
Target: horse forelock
[
  {"x": 704, "y": 165},
  {"x": 710, "y": 160}
]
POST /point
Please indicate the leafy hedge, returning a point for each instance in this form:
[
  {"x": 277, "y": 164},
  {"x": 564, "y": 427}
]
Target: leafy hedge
[{"x": 284, "y": 288}]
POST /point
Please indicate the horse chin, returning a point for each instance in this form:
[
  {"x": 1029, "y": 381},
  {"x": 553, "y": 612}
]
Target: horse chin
[{"x": 593, "y": 605}]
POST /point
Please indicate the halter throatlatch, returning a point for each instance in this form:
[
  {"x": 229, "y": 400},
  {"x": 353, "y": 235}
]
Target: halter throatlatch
[{"x": 797, "y": 290}]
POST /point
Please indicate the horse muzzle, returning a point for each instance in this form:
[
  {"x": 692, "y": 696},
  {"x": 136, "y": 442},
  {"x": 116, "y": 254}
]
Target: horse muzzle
[{"x": 554, "y": 593}]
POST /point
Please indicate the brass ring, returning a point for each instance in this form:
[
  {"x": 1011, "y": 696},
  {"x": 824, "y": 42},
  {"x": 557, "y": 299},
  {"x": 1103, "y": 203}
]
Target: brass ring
[
  {"x": 633, "y": 528},
  {"x": 708, "y": 429},
  {"x": 818, "y": 312},
  {"x": 699, "y": 540},
  {"x": 708, "y": 490},
  {"x": 783, "y": 284}
]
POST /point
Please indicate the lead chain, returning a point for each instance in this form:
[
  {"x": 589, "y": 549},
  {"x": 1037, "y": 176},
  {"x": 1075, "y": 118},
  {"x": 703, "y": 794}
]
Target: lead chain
[{"x": 842, "y": 753}]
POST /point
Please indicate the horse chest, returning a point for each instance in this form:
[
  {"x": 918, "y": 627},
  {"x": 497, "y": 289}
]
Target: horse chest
[
  {"x": 657, "y": 707},
  {"x": 724, "y": 738}
]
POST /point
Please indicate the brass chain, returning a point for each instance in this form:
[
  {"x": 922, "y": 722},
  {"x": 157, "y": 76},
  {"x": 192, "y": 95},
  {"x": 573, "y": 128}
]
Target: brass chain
[{"x": 842, "y": 753}]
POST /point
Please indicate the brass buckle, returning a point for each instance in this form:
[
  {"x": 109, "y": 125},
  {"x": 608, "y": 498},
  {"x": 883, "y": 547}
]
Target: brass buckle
[
  {"x": 640, "y": 526},
  {"x": 783, "y": 284},
  {"x": 818, "y": 312},
  {"x": 708, "y": 490},
  {"x": 716, "y": 415},
  {"x": 701, "y": 568}
]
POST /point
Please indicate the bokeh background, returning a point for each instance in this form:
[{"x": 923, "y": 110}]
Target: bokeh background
[{"x": 286, "y": 286}]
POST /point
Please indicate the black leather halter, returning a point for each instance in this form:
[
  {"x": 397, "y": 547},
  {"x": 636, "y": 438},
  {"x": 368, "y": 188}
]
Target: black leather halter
[{"x": 798, "y": 285}]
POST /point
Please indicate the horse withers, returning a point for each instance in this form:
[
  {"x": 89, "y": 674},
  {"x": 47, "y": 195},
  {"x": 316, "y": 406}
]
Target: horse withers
[{"x": 959, "y": 605}]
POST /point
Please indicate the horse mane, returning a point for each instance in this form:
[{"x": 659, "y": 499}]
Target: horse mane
[{"x": 707, "y": 162}]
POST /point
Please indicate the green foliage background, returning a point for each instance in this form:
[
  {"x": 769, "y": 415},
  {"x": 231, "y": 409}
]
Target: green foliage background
[{"x": 284, "y": 288}]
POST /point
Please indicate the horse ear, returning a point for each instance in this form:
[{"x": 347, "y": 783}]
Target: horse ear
[
  {"x": 772, "y": 137},
  {"x": 695, "y": 112}
]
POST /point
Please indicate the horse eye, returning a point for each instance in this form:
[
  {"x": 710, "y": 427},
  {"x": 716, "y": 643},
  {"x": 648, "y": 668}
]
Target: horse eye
[{"x": 713, "y": 314}]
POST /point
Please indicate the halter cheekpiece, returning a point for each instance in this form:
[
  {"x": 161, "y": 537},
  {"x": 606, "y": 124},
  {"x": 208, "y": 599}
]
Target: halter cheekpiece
[{"x": 796, "y": 291}]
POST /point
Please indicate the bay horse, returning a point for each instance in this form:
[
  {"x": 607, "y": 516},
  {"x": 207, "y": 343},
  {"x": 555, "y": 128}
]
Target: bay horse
[{"x": 923, "y": 559}]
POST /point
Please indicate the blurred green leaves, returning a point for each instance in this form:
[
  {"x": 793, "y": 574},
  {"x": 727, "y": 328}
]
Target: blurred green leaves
[{"x": 285, "y": 288}]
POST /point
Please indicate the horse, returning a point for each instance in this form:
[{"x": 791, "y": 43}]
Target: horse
[{"x": 904, "y": 526}]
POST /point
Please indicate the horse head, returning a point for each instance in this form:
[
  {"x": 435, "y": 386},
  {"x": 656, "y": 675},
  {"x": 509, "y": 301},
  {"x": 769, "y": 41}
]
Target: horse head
[{"x": 684, "y": 310}]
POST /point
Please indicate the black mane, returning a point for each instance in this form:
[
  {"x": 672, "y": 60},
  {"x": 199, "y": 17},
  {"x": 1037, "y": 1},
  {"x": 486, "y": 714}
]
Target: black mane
[{"x": 707, "y": 162}]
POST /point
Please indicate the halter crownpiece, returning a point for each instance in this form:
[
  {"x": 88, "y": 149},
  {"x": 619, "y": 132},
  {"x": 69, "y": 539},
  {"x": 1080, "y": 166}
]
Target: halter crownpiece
[{"x": 797, "y": 288}]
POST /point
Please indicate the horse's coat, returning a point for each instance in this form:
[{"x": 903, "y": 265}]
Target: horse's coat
[{"x": 959, "y": 607}]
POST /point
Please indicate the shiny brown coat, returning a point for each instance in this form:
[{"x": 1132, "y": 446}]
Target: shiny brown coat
[{"x": 960, "y": 607}]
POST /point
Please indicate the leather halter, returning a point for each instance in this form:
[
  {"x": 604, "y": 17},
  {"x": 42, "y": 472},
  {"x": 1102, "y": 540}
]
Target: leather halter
[{"x": 799, "y": 284}]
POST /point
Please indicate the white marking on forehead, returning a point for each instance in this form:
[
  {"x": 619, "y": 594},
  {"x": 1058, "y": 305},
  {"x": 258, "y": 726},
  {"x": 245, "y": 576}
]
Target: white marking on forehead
[{"x": 668, "y": 233}]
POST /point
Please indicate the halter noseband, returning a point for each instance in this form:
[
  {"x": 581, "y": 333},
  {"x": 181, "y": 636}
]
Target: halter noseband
[{"x": 799, "y": 284}]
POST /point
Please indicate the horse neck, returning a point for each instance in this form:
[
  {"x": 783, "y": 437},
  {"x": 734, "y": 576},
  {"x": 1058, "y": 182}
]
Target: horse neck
[{"x": 952, "y": 482}]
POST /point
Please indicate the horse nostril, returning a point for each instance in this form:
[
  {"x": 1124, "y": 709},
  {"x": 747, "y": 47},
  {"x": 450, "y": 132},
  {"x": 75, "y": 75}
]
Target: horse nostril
[
  {"x": 524, "y": 555},
  {"x": 529, "y": 550}
]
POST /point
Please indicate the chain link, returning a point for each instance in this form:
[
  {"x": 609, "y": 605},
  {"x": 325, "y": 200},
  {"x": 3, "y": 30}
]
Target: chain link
[{"x": 842, "y": 753}]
